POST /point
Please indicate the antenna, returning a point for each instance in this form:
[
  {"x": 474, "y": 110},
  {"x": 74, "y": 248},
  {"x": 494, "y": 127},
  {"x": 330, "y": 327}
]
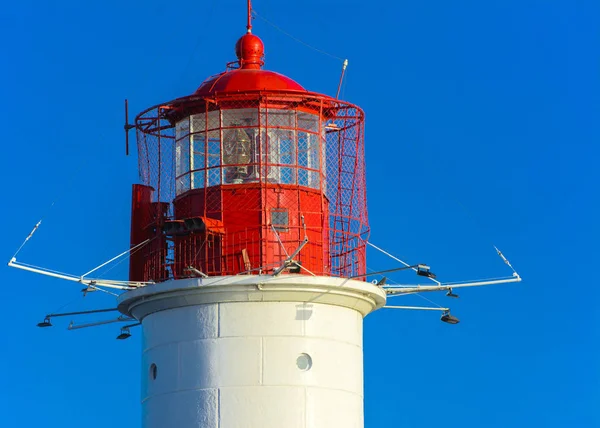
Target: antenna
[
  {"x": 344, "y": 65},
  {"x": 249, "y": 24},
  {"x": 127, "y": 127},
  {"x": 424, "y": 271},
  {"x": 88, "y": 282},
  {"x": 505, "y": 260}
]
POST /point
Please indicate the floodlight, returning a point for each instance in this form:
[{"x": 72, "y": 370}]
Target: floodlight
[
  {"x": 45, "y": 323},
  {"x": 125, "y": 334},
  {"x": 424, "y": 270},
  {"x": 451, "y": 294},
  {"x": 447, "y": 318},
  {"x": 294, "y": 267}
]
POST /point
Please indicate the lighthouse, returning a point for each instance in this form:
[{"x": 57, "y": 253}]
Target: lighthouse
[
  {"x": 248, "y": 230},
  {"x": 247, "y": 256}
]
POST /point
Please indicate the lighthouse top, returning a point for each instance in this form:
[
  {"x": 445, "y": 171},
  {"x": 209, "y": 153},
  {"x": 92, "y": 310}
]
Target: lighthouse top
[
  {"x": 247, "y": 75},
  {"x": 251, "y": 174}
]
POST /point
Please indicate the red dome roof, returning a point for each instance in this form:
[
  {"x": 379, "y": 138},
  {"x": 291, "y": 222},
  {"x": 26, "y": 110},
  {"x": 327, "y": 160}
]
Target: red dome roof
[
  {"x": 242, "y": 80},
  {"x": 249, "y": 76}
]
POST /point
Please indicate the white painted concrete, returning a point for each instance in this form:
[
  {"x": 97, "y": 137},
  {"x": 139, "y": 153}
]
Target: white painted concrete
[{"x": 253, "y": 351}]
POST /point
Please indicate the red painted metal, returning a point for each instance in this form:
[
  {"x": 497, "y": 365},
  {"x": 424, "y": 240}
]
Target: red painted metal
[
  {"x": 146, "y": 220},
  {"x": 249, "y": 160},
  {"x": 245, "y": 80},
  {"x": 250, "y": 51},
  {"x": 249, "y": 24}
]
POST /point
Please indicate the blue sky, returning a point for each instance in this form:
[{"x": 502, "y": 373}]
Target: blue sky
[{"x": 482, "y": 129}]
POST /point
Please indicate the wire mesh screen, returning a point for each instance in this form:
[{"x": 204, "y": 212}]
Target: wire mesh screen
[
  {"x": 346, "y": 188},
  {"x": 156, "y": 154},
  {"x": 256, "y": 174}
]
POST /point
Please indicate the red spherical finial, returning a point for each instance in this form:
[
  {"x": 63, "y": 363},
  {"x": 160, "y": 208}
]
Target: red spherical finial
[{"x": 250, "y": 51}]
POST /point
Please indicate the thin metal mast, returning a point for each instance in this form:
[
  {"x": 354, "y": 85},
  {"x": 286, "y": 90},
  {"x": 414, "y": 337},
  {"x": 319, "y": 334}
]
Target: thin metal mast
[{"x": 249, "y": 24}]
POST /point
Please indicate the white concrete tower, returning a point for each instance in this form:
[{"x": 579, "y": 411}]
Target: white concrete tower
[{"x": 253, "y": 351}]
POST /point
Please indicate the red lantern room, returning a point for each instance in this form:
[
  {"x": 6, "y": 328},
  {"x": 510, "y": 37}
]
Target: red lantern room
[{"x": 250, "y": 174}]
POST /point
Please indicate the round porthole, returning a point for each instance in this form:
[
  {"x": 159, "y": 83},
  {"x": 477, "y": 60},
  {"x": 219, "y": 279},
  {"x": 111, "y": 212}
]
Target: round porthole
[
  {"x": 304, "y": 362},
  {"x": 153, "y": 371}
]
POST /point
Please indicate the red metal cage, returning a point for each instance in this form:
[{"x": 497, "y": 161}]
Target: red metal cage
[{"x": 236, "y": 176}]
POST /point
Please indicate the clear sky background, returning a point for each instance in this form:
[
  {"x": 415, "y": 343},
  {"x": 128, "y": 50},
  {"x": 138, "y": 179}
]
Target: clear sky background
[{"x": 482, "y": 129}]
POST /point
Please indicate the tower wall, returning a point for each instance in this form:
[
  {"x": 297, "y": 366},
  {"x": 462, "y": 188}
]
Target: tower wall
[{"x": 254, "y": 352}]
